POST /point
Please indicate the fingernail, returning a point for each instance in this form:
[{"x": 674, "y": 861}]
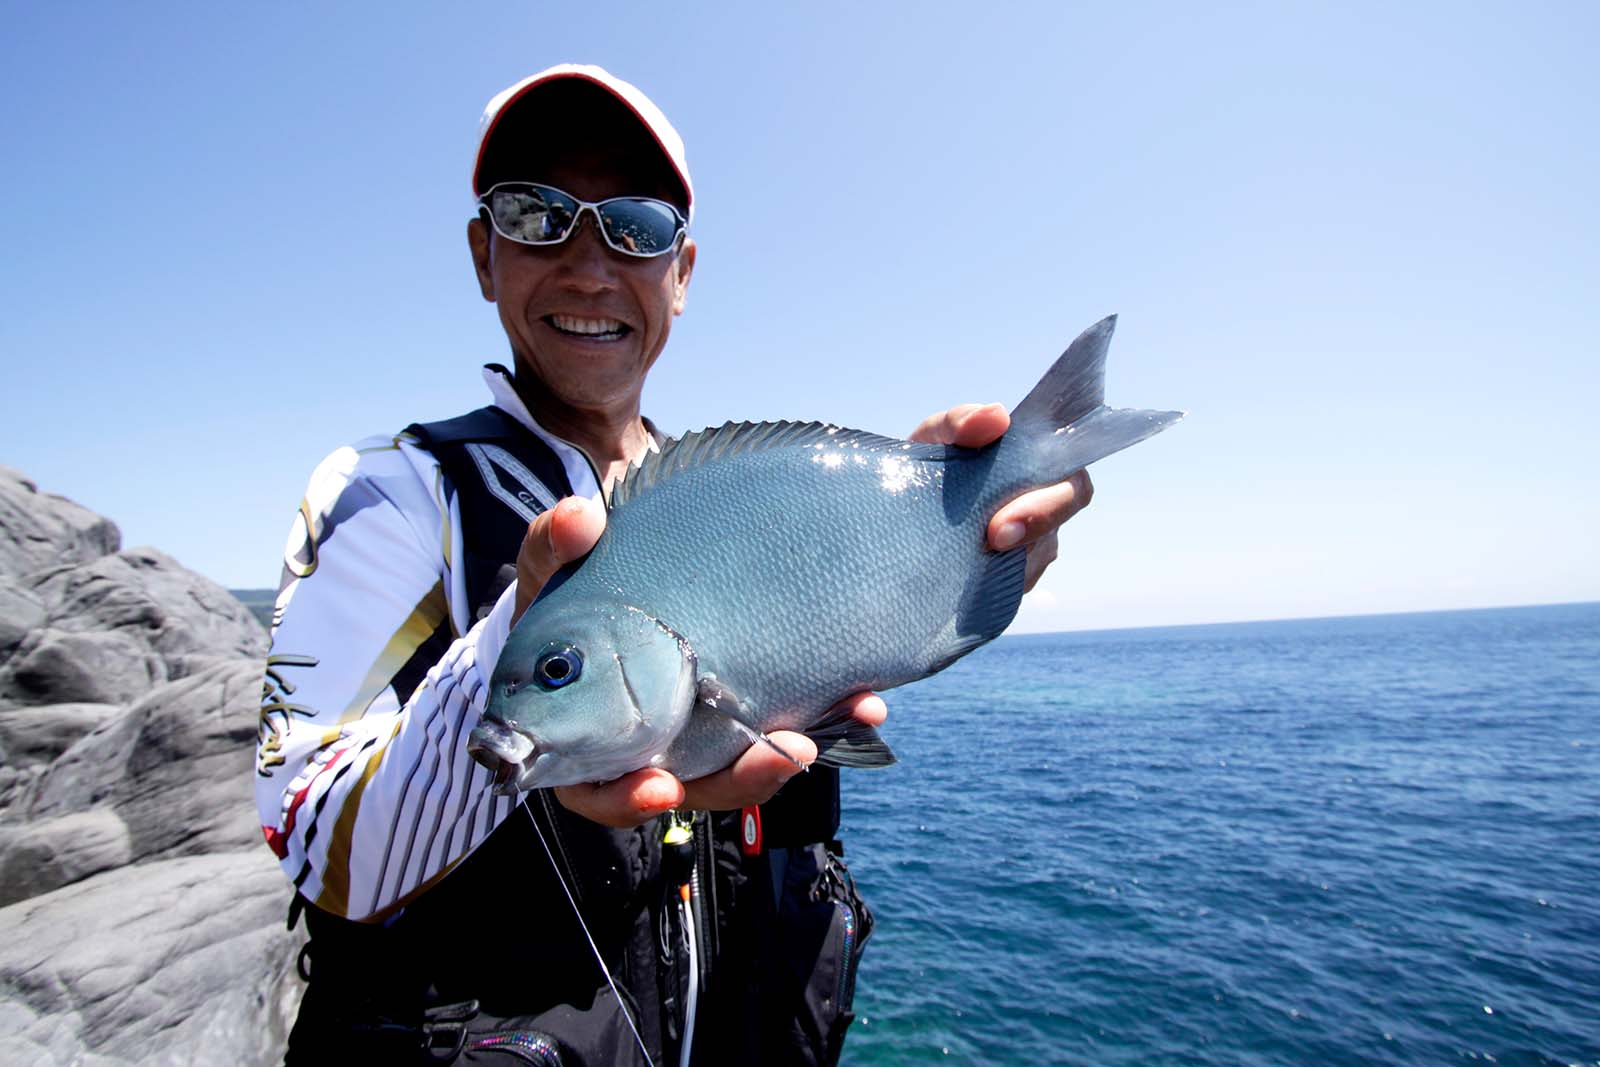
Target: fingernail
[{"x": 1009, "y": 535}]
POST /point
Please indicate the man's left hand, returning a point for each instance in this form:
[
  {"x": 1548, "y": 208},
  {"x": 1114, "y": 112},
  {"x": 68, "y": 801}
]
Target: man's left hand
[{"x": 752, "y": 778}]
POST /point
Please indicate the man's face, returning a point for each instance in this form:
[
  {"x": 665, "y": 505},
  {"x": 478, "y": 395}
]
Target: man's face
[{"x": 586, "y": 322}]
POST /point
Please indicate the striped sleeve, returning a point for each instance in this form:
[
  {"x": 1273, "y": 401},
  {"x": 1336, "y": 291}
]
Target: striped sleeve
[{"x": 363, "y": 783}]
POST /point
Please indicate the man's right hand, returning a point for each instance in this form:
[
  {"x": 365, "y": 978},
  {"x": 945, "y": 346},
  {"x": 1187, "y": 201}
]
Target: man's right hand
[{"x": 564, "y": 533}]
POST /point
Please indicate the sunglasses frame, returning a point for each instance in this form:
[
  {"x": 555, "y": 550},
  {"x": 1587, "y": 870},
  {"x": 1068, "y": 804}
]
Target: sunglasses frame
[{"x": 681, "y": 232}]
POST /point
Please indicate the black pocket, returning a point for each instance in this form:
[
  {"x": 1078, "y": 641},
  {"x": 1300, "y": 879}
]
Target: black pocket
[{"x": 823, "y": 927}]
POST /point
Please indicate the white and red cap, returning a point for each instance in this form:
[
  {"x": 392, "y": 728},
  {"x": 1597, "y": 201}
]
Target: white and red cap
[{"x": 642, "y": 107}]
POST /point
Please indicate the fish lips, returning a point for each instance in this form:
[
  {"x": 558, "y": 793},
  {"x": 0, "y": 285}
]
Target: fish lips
[{"x": 504, "y": 751}]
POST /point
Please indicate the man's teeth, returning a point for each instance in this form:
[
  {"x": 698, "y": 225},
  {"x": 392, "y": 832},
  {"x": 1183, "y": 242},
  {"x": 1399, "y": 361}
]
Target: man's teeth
[{"x": 602, "y": 328}]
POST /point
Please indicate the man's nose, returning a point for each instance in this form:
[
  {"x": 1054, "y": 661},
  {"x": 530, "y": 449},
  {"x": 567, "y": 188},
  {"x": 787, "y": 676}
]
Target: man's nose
[{"x": 585, "y": 252}]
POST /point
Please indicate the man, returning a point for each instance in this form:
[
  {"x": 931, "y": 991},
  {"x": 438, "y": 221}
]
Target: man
[{"x": 440, "y": 916}]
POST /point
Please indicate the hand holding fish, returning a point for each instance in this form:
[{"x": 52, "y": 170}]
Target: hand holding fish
[
  {"x": 567, "y": 532},
  {"x": 1033, "y": 518},
  {"x": 840, "y": 561}
]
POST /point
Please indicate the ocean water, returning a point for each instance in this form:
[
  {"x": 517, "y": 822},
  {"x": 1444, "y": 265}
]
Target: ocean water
[{"x": 1348, "y": 841}]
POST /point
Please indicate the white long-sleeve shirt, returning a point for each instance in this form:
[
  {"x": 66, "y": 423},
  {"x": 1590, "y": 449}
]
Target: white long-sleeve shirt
[{"x": 366, "y": 794}]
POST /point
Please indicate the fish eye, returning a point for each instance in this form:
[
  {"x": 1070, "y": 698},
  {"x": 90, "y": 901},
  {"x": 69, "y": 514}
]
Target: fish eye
[{"x": 558, "y": 668}]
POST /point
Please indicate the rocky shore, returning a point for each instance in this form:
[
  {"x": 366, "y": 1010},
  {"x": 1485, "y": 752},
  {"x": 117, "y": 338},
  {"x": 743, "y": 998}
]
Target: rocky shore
[{"x": 141, "y": 917}]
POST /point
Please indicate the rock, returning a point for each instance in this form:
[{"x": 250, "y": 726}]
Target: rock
[
  {"x": 55, "y": 667},
  {"x": 40, "y": 530},
  {"x": 39, "y": 856},
  {"x": 181, "y": 961},
  {"x": 40, "y": 734},
  {"x": 17, "y": 786},
  {"x": 20, "y": 612},
  {"x": 141, "y": 917},
  {"x": 176, "y": 766},
  {"x": 147, "y": 594}
]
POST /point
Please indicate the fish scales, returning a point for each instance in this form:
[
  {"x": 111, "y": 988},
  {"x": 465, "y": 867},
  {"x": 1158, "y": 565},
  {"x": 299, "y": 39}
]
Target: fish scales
[
  {"x": 752, "y": 576},
  {"x": 845, "y": 593}
]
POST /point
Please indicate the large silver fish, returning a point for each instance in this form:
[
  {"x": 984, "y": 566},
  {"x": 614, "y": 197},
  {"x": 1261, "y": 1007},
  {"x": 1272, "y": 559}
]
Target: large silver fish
[{"x": 752, "y": 576}]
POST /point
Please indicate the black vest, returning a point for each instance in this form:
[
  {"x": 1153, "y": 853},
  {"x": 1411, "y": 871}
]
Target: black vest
[{"x": 498, "y": 930}]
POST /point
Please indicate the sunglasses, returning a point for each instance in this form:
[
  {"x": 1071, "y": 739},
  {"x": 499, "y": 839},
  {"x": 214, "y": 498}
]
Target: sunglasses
[{"x": 534, "y": 214}]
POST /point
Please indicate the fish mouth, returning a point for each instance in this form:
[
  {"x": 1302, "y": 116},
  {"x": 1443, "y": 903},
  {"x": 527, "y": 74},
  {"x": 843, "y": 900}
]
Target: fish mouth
[{"x": 506, "y": 752}]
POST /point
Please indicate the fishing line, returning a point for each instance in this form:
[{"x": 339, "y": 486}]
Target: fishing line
[{"x": 585, "y": 928}]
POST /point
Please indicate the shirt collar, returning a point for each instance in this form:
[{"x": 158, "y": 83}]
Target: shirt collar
[{"x": 580, "y": 474}]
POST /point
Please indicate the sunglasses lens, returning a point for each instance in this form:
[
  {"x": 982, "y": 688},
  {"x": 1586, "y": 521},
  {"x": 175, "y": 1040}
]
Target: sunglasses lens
[
  {"x": 535, "y": 214},
  {"x": 540, "y": 215},
  {"x": 638, "y": 226}
]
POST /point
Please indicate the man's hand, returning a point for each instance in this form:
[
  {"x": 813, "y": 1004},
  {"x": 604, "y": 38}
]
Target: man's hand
[
  {"x": 752, "y": 779},
  {"x": 1033, "y": 518},
  {"x": 564, "y": 533},
  {"x": 567, "y": 532}
]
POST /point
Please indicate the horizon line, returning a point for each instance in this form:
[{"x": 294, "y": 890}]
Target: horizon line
[{"x": 1304, "y": 618}]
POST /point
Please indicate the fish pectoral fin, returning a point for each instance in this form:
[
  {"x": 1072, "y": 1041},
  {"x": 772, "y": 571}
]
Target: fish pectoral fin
[
  {"x": 719, "y": 698},
  {"x": 716, "y": 697},
  {"x": 843, "y": 741}
]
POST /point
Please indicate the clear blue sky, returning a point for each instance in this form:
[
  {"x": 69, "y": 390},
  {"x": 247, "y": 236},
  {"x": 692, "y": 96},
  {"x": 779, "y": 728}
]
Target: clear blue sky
[{"x": 1360, "y": 243}]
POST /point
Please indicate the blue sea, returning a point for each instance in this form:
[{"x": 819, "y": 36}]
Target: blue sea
[{"x": 1339, "y": 841}]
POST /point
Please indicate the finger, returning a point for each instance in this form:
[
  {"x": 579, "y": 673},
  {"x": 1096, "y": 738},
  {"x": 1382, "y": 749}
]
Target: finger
[
  {"x": 967, "y": 425},
  {"x": 1033, "y": 515},
  {"x": 1041, "y": 554},
  {"x": 626, "y": 801},
  {"x": 754, "y": 776},
  {"x": 866, "y": 707},
  {"x": 557, "y": 537}
]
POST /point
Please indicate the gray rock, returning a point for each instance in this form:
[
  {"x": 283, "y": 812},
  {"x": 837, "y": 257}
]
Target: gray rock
[
  {"x": 41, "y": 530},
  {"x": 185, "y": 961},
  {"x": 148, "y": 595},
  {"x": 17, "y": 786},
  {"x": 40, "y": 734},
  {"x": 177, "y": 766},
  {"x": 20, "y": 612},
  {"x": 38, "y": 856},
  {"x": 141, "y": 917},
  {"x": 57, "y": 667}
]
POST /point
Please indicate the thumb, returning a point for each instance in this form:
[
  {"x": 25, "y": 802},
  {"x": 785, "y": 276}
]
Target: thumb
[{"x": 564, "y": 533}]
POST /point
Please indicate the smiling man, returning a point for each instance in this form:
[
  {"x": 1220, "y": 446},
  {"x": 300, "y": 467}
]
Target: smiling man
[{"x": 440, "y": 917}]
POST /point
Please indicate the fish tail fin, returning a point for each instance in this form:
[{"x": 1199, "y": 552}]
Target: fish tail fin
[{"x": 1065, "y": 416}]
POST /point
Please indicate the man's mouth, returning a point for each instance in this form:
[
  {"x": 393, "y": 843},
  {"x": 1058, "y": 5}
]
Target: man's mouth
[{"x": 588, "y": 329}]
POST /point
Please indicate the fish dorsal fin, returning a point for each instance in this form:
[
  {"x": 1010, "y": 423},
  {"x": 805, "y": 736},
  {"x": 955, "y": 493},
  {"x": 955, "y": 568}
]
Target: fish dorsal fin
[{"x": 734, "y": 438}]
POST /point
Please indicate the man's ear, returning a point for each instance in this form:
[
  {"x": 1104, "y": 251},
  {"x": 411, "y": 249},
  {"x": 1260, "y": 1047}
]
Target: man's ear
[
  {"x": 682, "y": 267},
  {"x": 479, "y": 241}
]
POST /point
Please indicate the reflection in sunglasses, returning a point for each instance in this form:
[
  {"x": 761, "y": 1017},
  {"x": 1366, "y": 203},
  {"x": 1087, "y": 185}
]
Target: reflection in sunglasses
[{"x": 539, "y": 214}]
